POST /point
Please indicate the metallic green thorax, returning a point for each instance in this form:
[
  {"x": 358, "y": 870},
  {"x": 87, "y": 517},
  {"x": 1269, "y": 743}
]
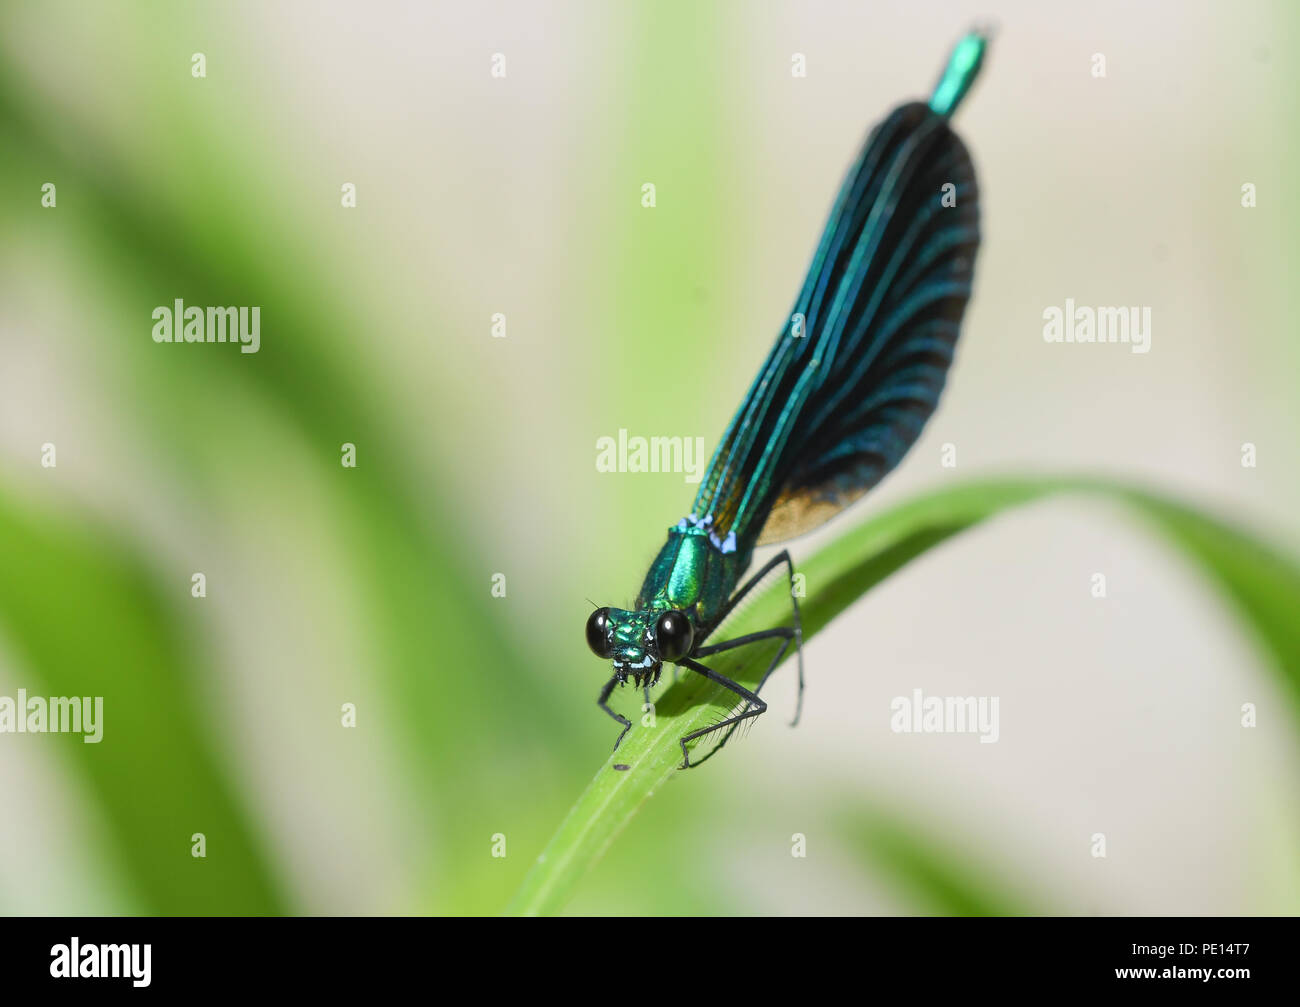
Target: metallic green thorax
[{"x": 692, "y": 575}]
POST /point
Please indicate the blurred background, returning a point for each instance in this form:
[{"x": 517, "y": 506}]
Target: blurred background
[{"x": 521, "y": 195}]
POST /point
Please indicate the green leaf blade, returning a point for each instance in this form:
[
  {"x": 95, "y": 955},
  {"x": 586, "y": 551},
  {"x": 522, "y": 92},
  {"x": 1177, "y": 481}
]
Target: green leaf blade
[{"x": 1260, "y": 583}]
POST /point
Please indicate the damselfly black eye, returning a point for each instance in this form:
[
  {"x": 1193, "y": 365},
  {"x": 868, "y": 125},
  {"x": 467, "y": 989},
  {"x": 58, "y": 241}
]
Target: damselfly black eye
[
  {"x": 673, "y": 635},
  {"x": 598, "y": 633}
]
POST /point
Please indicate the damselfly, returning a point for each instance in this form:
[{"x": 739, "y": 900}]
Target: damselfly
[{"x": 854, "y": 375}]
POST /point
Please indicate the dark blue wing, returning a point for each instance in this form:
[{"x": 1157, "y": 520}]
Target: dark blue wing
[{"x": 835, "y": 408}]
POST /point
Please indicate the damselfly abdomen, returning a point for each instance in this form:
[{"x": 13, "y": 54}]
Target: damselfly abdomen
[{"x": 854, "y": 375}]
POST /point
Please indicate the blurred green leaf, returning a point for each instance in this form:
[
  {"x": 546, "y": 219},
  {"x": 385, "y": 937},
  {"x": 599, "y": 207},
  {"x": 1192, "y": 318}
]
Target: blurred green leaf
[
  {"x": 84, "y": 617},
  {"x": 1262, "y": 586},
  {"x": 412, "y": 557},
  {"x": 934, "y": 875}
]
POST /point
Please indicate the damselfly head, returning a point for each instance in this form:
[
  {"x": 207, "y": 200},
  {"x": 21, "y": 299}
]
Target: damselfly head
[{"x": 639, "y": 643}]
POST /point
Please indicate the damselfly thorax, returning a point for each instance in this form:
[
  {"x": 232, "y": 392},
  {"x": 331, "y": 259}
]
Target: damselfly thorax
[{"x": 684, "y": 594}]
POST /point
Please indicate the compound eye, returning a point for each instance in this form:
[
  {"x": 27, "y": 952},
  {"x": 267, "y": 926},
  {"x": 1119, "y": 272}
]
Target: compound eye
[
  {"x": 598, "y": 633},
  {"x": 673, "y": 635}
]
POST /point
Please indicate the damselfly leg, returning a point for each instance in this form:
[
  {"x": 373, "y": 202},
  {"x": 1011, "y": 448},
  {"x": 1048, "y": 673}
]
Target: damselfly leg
[
  {"x": 753, "y": 707},
  {"x": 797, "y": 634},
  {"x": 603, "y": 703},
  {"x": 783, "y": 633}
]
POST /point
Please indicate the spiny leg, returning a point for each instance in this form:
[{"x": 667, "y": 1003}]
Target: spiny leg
[
  {"x": 782, "y": 557},
  {"x": 601, "y": 702},
  {"x": 754, "y": 707},
  {"x": 784, "y": 633}
]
